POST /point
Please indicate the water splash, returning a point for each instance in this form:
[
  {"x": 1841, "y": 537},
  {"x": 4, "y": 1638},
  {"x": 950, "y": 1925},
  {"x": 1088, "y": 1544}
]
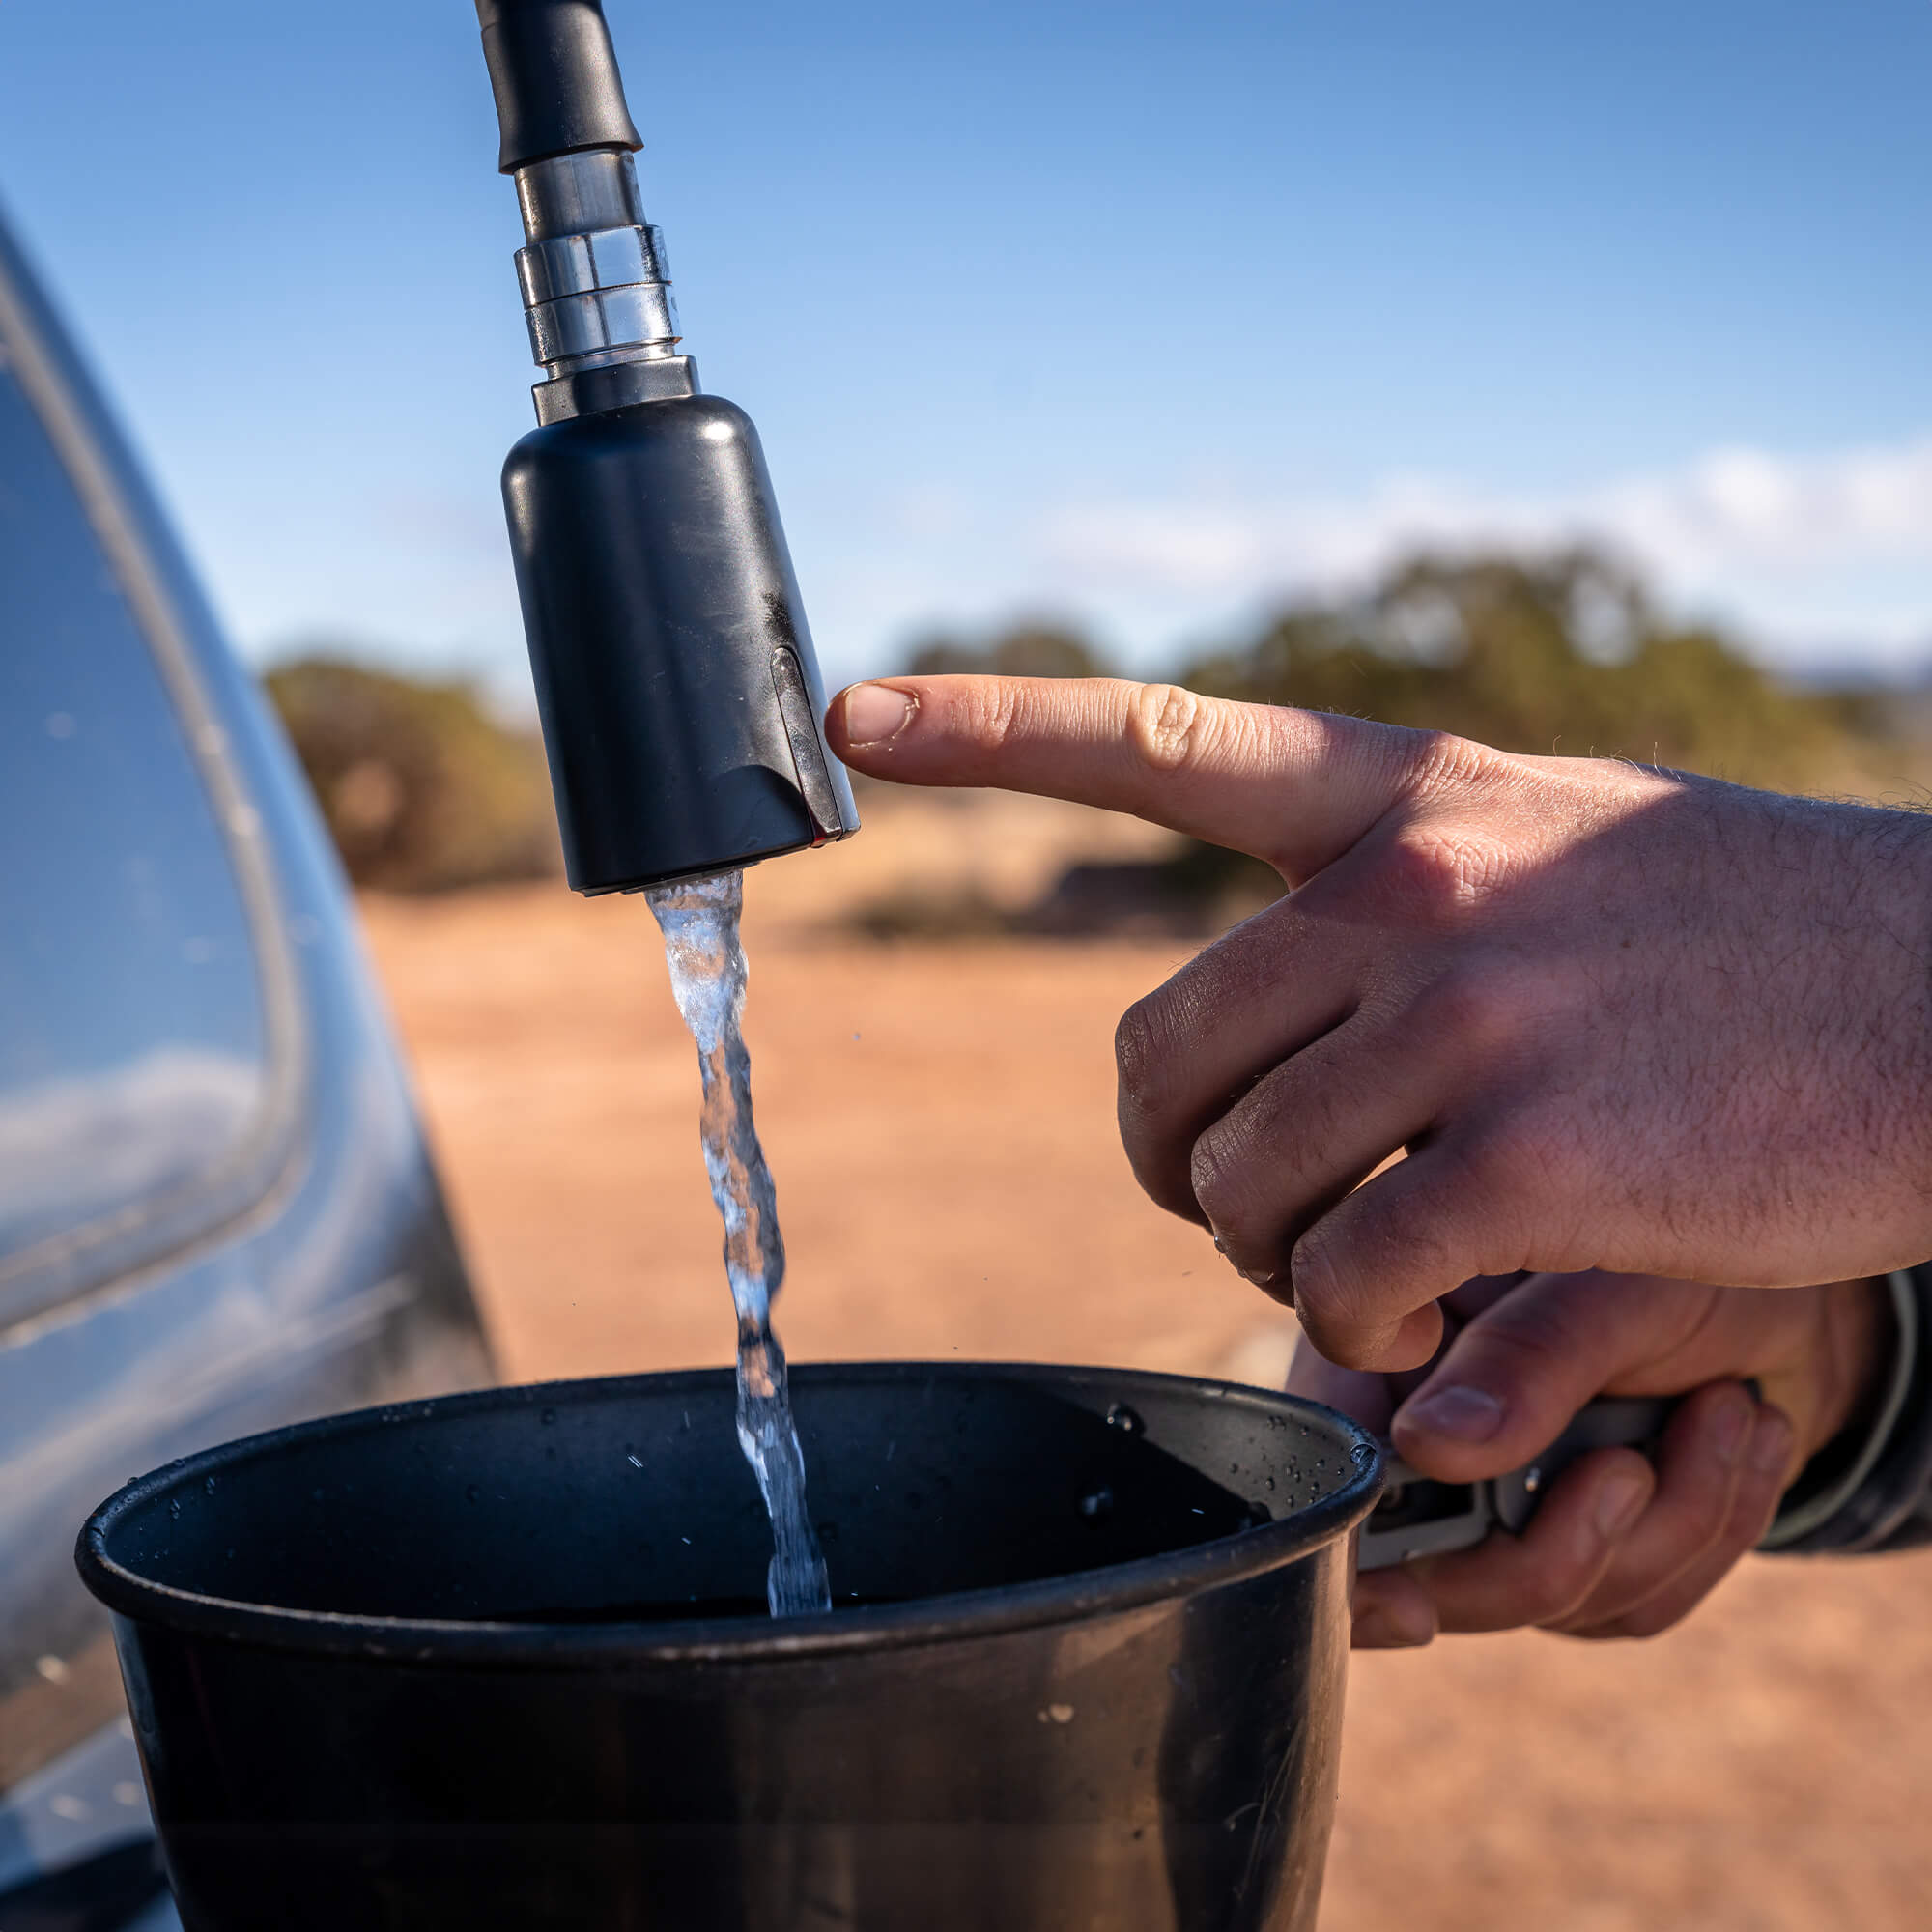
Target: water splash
[{"x": 699, "y": 921}]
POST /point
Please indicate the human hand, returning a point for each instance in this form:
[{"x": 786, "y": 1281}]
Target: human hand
[
  {"x": 1618, "y": 1018},
  {"x": 1616, "y": 1547}
]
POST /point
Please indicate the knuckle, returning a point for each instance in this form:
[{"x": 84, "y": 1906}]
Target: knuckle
[
  {"x": 1143, "y": 1052},
  {"x": 1342, "y": 1290},
  {"x": 1442, "y": 765},
  {"x": 1221, "y": 1170},
  {"x": 1395, "y": 1245},
  {"x": 1165, "y": 726},
  {"x": 989, "y": 710},
  {"x": 1324, "y": 1296},
  {"x": 1473, "y": 1006},
  {"x": 1436, "y": 874}
]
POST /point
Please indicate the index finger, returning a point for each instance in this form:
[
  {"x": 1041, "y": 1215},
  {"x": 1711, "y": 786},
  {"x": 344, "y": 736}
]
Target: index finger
[{"x": 1296, "y": 788}]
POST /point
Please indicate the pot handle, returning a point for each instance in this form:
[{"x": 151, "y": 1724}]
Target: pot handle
[{"x": 1420, "y": 1517}]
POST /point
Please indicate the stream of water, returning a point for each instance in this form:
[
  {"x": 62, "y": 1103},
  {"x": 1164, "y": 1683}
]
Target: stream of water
[{"x": 699, "y": 921}]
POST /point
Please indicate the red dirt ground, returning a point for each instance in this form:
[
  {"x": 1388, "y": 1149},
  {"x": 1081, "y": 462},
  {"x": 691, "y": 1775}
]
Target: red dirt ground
[{"x": 940, "y": 1121}]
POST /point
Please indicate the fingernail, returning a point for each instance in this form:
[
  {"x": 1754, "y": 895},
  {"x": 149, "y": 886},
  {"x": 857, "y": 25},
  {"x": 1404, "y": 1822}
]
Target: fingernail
[
  {"x": 1731, "y": 1424},
  {"x": 1618, "y": 1501},
  {"x": 876, "y": 713},
  {"x": 1464, "y": 1415},
  {"x": 1771, "y": 1442}
]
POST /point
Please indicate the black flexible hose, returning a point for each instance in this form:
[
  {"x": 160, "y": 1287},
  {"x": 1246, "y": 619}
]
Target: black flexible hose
[{"x": 556, "y": 79}]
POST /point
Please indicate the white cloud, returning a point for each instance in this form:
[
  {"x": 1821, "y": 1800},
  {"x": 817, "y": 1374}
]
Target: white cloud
[
  {"x": 1810, "y": 553},
  {"x": 1751, "y": 507}
]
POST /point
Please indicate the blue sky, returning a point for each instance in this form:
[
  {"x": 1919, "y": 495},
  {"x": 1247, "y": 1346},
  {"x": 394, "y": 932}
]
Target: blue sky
[{"x": 1143, "y": 315}]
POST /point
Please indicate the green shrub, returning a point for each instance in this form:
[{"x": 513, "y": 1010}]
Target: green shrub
[
  {"x": 1562, "y": 653},
  {"x": 422, "y": 790}
]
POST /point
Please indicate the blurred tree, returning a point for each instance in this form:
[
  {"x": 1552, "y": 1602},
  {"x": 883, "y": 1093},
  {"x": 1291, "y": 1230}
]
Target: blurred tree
[
  {"x": 421, "y": 788},
  {"x": 1022, "y": 650},
  {"x": 1563, "y": 653}
]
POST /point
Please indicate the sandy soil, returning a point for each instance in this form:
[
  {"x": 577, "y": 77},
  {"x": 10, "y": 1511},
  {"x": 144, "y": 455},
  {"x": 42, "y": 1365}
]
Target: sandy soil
[{"x": 939, "y": 1119}]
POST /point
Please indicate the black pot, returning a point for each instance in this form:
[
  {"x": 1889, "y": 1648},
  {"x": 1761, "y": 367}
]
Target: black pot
[{"x": 500, "y": 1660}]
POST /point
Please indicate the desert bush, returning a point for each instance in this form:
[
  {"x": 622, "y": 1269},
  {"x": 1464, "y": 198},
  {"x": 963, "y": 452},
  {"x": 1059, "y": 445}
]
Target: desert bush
[
  {"x": 1562, "y": 653},
  {"x": 421, "y": 788}
]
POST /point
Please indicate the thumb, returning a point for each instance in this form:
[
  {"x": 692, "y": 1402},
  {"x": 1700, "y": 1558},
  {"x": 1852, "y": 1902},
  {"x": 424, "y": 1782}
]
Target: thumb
[
  {"x": 1510, "y": 1383},
  {"x": 1296, "y": 788}
]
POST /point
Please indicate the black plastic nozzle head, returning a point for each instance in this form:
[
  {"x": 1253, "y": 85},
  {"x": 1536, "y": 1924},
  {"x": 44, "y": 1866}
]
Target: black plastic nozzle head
[
  {"x": 675, "y": 677},
  {"x": 556, "y": 79}
]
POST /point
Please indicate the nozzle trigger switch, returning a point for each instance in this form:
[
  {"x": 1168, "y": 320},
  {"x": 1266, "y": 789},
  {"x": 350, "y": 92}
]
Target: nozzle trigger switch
[{"x": 808, "y": 754}]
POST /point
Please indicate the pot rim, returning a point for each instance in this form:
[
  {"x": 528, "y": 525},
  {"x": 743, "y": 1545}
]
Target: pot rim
[{"x": 1078, "y": 1595}]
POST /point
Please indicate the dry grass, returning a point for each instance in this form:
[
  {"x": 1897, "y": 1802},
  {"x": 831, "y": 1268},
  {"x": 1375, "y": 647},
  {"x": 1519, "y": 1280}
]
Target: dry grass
[{"x": 940, "y": 1123}]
